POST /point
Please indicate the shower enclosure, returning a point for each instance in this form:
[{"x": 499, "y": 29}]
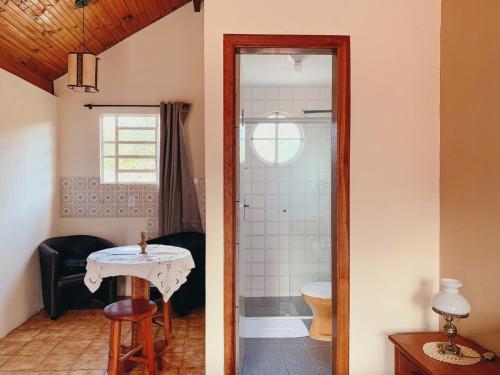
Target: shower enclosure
[{"x": 284, "y": 188}]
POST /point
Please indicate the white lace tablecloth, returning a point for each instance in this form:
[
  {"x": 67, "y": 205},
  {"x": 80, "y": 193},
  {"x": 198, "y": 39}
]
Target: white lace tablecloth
[{"x": 166, "y": 267}]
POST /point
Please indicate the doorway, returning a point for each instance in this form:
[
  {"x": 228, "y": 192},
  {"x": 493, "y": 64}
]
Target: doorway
[{"x": 264, "y": 142}]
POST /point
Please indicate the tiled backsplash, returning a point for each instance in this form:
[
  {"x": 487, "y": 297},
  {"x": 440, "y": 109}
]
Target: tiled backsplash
[
  {"x": 87, "y": 197},
  {"x": 285, "y": 231}
]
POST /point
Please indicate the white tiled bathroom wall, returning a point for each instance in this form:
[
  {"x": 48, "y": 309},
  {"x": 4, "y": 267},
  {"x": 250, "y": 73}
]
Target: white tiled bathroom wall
[{"x": 285, "y": 233}]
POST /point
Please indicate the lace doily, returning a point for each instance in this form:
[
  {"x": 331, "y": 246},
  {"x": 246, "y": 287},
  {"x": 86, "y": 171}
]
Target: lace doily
[{"x": 470, "y": 356}]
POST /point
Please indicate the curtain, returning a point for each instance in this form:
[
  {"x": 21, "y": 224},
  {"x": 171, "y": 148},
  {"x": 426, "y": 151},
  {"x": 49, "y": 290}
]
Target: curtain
[{"x": 178, "y": 208}]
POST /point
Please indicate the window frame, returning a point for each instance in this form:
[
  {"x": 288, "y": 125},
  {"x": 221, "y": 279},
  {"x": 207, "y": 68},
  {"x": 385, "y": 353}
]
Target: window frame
[
  {"x": 281, "y": 116},
  {"x": 117, "y": 144}
]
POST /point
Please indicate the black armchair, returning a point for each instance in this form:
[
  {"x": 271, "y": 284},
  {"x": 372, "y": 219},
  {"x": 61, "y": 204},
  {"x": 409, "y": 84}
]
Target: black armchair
[
  {"x": 63, "y": 263},
  {"x": 192, "y": 293}
]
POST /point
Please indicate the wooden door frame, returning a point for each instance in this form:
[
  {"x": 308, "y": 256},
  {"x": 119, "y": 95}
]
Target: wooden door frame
[{"x": 340, "y": 46}]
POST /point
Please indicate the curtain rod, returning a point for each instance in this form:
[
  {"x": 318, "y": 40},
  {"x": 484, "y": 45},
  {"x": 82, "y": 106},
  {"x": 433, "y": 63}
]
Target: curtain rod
[{"x": 90, "y": 106}]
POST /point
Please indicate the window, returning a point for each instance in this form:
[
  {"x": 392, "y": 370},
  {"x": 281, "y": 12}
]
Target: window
[
  {"x": 277, "y": 142},
  {"x": 129, "y": 149}
]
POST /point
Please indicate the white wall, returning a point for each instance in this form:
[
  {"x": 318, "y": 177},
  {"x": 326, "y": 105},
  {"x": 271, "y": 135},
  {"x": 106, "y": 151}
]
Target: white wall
[
  {"x": 394, "y": 160},
  {"x": 27, "y": 165},
  {"x": 161, "y": 62},
  {"x": 285, "y": 233}
]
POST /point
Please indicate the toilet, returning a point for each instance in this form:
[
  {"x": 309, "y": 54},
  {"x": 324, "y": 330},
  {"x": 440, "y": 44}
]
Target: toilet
[{"x": 318, "y": 296}]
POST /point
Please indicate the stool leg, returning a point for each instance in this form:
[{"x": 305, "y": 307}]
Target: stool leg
[
  {"x": 167, "y": 323},
  {"x": 114, "y": 348},
  {"x": 147, "y": 339}
]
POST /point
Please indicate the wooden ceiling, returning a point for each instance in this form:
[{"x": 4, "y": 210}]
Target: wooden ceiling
[{"x": 36, "y": 35}]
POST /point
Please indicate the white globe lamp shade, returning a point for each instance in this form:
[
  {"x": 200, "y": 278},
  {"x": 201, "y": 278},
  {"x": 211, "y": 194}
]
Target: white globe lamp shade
[{"x": 449, "y": 300}]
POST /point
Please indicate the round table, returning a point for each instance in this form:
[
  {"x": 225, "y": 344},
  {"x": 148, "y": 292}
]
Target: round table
[{"x": 166, "y": 267}]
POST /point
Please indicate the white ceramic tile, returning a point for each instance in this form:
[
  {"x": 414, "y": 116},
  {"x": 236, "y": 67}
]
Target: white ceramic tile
[
  {"x": 272, "y": 93},
  {"x": 313, "y": 93},
  {"x": 258, "y": 255},
  {"x": 298, "y": 107},
  {"x": 272, "y": 201},
  {"x": 258, "y": 242},
  {"x": 257, "y": 201},
  {"x": 259, "y": 108},
  {"x": 258, "y": 174},
  {"x": 286, "y": 93},
  {"x": 272, "y": 242},
  {"x": 258, "y": 92},
  {"x": 286, "y": 106},
  {"x": 272, "y": 187},
  {"x": 258, "y": 269},
  {"x": 284, "y": 228},
  {"x": 299, "y": 93},
  {"x": 257, "y": 214},
  {"x": 272, "y": 268},
  {"x": 258, "y": 188},
  {"x": 273, "y": 255},
  {"x": 325, "y": 92},
  {"x": 258, "y": 228},
  {"x": 258, "y": 282},
  {"x": 272, "y": 228},
  {"x": 272, "y": 106},
  {"x": 272, "y": 214}
]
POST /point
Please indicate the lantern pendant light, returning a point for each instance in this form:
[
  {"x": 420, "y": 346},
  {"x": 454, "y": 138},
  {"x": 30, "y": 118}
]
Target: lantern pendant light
[{"x": 83, "y": 66}]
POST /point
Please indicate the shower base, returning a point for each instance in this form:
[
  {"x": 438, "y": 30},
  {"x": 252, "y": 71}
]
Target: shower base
[{"x": 272, "y": 328}]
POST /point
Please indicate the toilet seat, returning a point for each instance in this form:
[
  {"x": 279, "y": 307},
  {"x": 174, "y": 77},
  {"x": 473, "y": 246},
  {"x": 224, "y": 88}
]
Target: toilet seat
[{"x": 320, "y": 289}]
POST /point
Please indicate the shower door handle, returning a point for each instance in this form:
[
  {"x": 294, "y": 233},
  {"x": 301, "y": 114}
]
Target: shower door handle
[{"x": 245, "y": 205}]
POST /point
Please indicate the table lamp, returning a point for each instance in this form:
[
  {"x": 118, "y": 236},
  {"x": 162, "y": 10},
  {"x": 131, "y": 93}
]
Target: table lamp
[{"x": 451, "y": 305}]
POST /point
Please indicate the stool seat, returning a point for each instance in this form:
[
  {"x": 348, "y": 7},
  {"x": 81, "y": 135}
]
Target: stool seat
[
  {"x": 140, "y": 313},
  {"x": 130, "y": 310}
]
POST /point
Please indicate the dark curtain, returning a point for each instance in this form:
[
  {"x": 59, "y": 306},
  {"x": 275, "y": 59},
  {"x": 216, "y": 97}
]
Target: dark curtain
[{"x": 178, "y": 211}]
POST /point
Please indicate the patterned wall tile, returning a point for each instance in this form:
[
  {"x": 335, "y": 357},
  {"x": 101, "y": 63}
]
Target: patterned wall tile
[{"x": 87, "y": 197}]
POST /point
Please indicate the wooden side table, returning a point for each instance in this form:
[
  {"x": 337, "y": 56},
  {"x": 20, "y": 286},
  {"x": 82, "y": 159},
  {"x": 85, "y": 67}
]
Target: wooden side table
[{"x": 410, "y": 359}]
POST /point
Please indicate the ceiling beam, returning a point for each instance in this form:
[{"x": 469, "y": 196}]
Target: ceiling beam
[
  {"x": 197, "y": 5},
  {"x": 26, "y": 74}
]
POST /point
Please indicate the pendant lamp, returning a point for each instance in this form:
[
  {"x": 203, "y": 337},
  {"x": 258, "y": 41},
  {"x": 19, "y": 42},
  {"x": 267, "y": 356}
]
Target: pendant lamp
[{"x": 83, "y": 66}]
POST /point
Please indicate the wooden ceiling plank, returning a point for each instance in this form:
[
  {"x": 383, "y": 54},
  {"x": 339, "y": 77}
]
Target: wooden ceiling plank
[
  {"x": 27, "y": 75},
  {"x": 118, "y": 13},
  {"x": 67, "y": 29},
  {"x": 108, "y": 21},
  {"x": 37, "y": 27},
  {"x": 26, "y": 60},
  {"x": 34, "y": 39},
  {"x": 26, "y": 47},
  {"x": 138, "y": 15},
  {"x": 72, "y": 17}
]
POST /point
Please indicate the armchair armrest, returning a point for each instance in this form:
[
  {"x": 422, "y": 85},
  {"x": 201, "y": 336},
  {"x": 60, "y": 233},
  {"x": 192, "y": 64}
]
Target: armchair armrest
[
  {"x": 49, "y": 265},
  {"x": 49, "y": 262}
]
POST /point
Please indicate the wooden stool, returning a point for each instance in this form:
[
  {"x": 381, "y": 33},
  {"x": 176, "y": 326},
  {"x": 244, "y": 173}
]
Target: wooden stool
[
  {"x": 137, "y": 311},
  {"x": 164, "y": 319}
]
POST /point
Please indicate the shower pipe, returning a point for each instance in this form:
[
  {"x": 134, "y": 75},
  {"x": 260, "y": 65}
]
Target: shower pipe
[{"x": 287, "y": 120}]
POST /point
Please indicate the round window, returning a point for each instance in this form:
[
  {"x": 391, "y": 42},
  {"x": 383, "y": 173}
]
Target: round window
[{"x": 277, "y": 142}]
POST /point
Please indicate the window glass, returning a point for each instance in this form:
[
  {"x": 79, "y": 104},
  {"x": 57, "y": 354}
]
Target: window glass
[
  {"x": 277, "y": 143},
  {"x": 129, "y": 147}
]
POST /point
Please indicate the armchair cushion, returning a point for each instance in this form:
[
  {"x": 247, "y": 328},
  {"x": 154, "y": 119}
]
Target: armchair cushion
[{"x": 72, "y": 265}]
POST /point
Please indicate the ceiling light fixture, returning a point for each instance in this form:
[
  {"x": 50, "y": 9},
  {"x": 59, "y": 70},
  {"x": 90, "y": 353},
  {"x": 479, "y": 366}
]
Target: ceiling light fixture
[
  {"x": 83, "y": 66},
  {"x": 297, "y": 60}
]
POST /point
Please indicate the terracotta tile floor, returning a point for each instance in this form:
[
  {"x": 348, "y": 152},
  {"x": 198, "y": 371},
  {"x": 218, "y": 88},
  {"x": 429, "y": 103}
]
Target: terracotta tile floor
[{"x": 77, "y": 344}]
